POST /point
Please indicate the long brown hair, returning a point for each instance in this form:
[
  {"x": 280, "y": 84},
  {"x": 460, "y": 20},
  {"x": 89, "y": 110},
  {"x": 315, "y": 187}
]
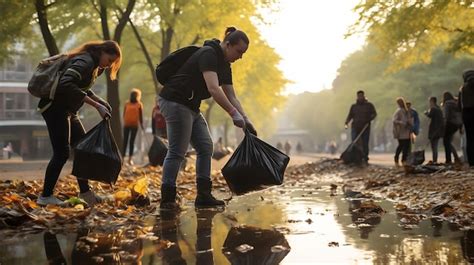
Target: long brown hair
[{"x": 96, "y": 48}]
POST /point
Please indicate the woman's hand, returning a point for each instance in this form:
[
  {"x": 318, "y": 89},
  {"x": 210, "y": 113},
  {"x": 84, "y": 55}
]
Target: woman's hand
[
  {"x": 103, "y": 111},
  {"x": 249, "y": 126},
  {"x": 237, "y": 118},
  {"x": 106, "y": 104}
]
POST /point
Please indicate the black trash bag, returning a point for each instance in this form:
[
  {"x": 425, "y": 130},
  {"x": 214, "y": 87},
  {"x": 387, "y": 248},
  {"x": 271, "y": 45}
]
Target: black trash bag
[
  {"x": 157, "y": 152},
  {"x": 354, "y": 154},
  {"x": 96, "y": 156},
  {"x": 254, "y": 165},
  {"x": 246, "y": 245},
  {"x": 416, "y": 158}
]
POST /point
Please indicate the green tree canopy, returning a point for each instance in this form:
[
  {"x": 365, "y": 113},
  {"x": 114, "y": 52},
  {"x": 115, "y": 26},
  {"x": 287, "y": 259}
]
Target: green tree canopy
[{"x": 408, "y": 32}]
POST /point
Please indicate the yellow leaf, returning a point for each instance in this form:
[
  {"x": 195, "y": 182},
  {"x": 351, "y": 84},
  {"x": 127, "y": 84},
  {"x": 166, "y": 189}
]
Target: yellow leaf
[
  {"x": 122, "y": 195},
  {"x": 140, "y": 187}
]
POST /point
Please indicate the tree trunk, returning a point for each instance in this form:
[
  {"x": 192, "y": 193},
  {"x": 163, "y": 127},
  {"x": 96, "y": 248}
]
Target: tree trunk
[
  {"x": 149, "y": 62},
  {"x": 167, "y": 36},
  {"x": 113, "y": 86},
  {"x": 104, "y": 20},
  {"x": 48, "y": 38}
]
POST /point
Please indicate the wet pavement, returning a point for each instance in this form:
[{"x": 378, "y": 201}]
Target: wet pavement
[{"x": 296, "y": 223}]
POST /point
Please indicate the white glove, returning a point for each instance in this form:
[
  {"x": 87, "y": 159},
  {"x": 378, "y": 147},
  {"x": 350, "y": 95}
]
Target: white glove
[
  {"x": 103, "y": 111},
  {"x": 237, "y": 118}
]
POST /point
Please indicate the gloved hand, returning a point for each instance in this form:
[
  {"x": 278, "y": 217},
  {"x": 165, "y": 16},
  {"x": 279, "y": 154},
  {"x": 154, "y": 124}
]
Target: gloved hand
[
  {"x": 249, "y": 126},
  {"x": 106, "y": 104},
  {"x": 237, "y": 118},
  {"x": 103, "y": 111}
]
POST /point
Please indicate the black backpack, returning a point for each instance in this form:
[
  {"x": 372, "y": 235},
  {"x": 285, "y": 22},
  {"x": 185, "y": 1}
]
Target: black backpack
[{"x": 171, "y": 64}]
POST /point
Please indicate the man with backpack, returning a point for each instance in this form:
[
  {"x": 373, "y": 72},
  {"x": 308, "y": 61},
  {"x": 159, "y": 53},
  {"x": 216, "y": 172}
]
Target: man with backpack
[{"x": 201, "y": 76}]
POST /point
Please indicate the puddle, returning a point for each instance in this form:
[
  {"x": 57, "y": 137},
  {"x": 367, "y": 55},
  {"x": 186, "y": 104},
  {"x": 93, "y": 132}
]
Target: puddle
[{"x": 282, "y": 225}]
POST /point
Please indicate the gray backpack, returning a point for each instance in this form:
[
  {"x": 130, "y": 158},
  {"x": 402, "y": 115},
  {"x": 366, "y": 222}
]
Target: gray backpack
[{"x": 45, "y": 79}]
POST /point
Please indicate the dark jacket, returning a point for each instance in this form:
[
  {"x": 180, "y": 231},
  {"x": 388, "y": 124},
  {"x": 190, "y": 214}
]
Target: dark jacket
[
  {"x": 361, "y": 113},
  {"x": 436, "y": 129},
  {"x": 74, "y": 85},
  {"x": 416, "y": 121},
  {"x": 452, "y": 113},
  {"x": 466, "y": 93}
]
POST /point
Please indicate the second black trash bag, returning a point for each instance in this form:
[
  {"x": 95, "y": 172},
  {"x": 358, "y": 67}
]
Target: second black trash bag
[
  {"x": 254, "y": 165},
  {"x": 157, "y": 152},
  {"x": 96, "y": 156}
]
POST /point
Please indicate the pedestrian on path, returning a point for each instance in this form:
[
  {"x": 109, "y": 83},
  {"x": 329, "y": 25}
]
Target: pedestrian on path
[
  {"x": 361, "y": 113},
  {"x": 466, "y": 104},
  {"x": 453, "y": 123},
  {"x": 132, "y": 118},
  {"x": 158, "y": 122},
  {"x": 402, "y": 128},
  {"x": 436, "y": 128},
  {"x": 416, "y": 123}
]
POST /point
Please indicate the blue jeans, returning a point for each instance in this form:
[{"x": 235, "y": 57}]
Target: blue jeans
[
  {"x": 185, "y": 126},
  {"x": 365, "y": 140}
]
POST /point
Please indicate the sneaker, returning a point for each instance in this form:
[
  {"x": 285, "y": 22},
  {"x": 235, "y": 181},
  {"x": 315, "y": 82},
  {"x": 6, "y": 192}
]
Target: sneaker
[
  {"x": 50, "y": 200},
  {"x": 91, "y": 198}
]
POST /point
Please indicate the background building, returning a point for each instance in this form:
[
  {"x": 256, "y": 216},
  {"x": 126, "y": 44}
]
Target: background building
[{"x": 20, "y": 123}]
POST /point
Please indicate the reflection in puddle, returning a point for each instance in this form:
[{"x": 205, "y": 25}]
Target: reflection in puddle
[
  {"x": 257, "y": 228},
  {"x": 251, "y": 245}
]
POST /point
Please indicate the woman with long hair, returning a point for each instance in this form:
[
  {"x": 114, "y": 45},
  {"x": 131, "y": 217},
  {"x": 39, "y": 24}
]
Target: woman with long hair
[
  {"x": 132, "y": 118},
  {"x": 207, "y": 73},
  {"x": 453, "y": 123},
  {"x": 85, "y": 64},
  {"x": 402, "y": 126}
]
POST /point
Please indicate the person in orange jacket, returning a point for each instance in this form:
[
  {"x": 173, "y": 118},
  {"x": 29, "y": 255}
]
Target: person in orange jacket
[{"x": 132, "y": 118}]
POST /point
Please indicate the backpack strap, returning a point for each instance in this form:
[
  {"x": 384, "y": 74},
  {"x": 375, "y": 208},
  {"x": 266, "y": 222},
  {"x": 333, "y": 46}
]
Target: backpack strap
[
  {"x": 75, "y": 72},
  {"x": 43, "y": 109}
]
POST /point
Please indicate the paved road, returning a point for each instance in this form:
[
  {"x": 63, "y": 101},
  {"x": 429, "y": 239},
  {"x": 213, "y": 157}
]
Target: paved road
[{"x": 29, "y": 170}]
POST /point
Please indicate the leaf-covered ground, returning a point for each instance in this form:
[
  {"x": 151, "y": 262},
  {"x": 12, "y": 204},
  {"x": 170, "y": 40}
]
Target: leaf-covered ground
[
  {"x": 447, "y": 194},
  {"x": 444, "y": 192}
]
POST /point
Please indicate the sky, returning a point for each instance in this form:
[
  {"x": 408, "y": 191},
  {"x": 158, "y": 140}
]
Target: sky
[{"x": 309, "y": 37}]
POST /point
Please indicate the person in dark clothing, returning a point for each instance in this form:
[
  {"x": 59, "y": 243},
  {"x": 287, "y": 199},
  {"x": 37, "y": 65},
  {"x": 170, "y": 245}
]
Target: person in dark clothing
[
  {"x": 466, "y": 104},
  {"x": 361, "y": 113},
  {"x": 197, "y": 79},
  {"x": 436, "y": 128},
  {"x": 453, "y": 123},
  {"x": 415, "y": 130},
  {"x": 65, "y": 129}
]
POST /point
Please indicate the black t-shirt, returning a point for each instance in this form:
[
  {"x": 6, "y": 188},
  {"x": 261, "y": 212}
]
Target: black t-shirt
[{"x": 188, "y": 86}]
